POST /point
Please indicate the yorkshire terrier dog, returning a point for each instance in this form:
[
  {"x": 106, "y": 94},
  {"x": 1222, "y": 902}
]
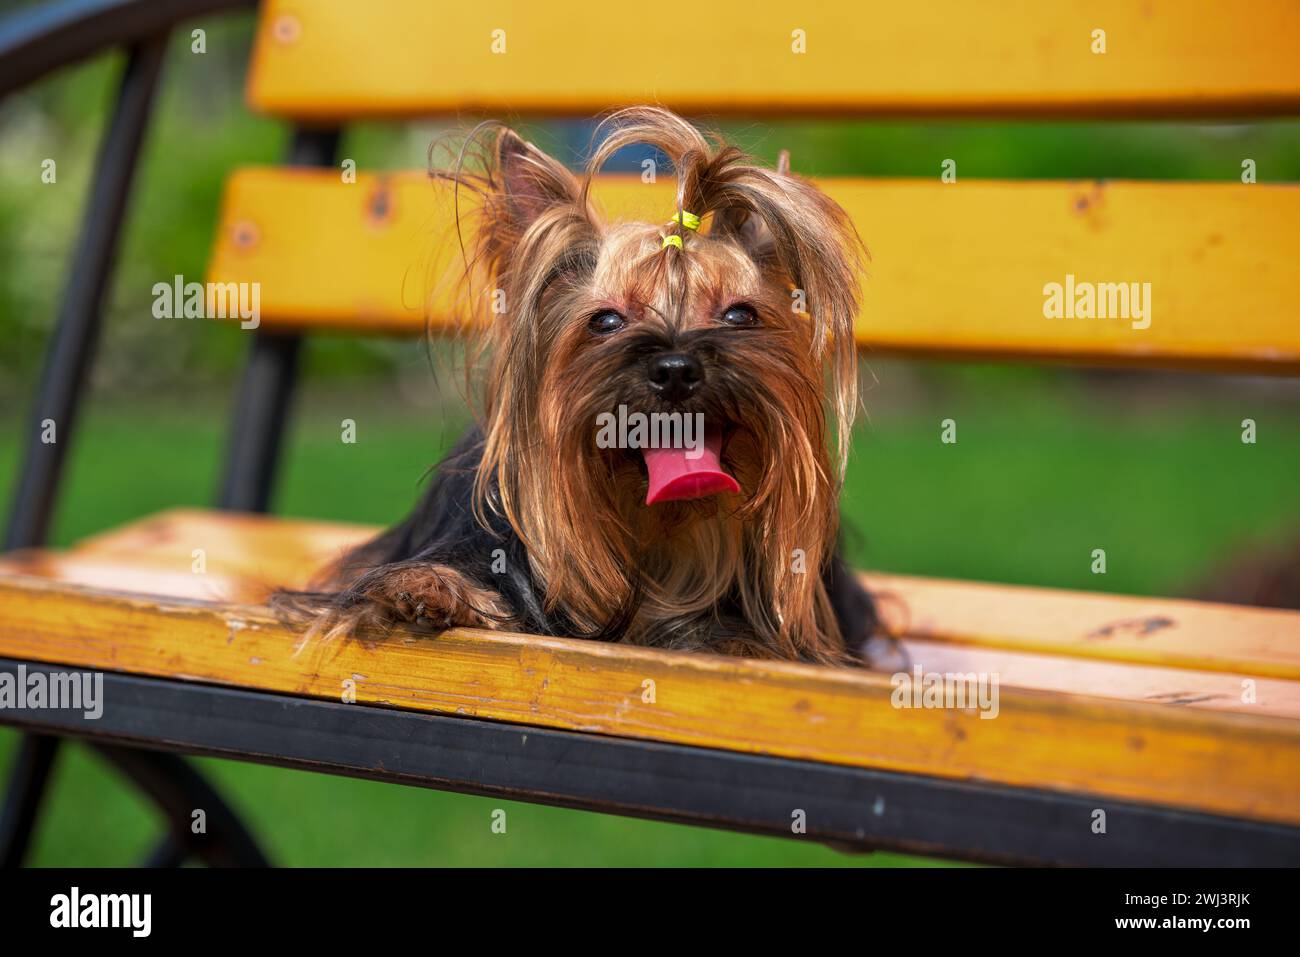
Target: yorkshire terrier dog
[{"x": 736, "y": 311}]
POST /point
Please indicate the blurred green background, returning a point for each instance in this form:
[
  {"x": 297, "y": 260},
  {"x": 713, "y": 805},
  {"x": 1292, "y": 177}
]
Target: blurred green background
[{"x": 1049, "y": 464}]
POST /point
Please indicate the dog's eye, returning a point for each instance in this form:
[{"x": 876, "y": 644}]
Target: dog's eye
[
  {"x": 739, "y": 315},
  {"x": 606, "y": 322}
]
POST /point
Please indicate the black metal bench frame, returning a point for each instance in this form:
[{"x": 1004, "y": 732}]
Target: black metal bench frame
[{"x": 153, "y": 721}]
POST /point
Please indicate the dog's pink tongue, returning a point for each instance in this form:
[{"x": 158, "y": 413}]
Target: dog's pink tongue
[{"x": 675, "y": 476}]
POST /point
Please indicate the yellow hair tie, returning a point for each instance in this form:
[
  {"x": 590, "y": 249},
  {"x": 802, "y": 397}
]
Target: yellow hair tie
[{"x": 688, "y": 220}]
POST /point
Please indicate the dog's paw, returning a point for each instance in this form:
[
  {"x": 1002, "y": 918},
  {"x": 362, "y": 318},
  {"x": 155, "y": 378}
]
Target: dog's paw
[{"x": 436, "y": 597}]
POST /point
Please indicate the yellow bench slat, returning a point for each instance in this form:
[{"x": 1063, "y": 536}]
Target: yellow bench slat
[
  {"x": 160, "y": 575},
  {"x": 247, "y": 555},
  {"x": 957, "y": 269},
  {"x": 412, "y": 57},
  {"x": 1233, "y": 764},
  {"x": 1108, "y": 678},
  {"x": 1166, "y": 632},
  {"x": 261, "y": 552}
]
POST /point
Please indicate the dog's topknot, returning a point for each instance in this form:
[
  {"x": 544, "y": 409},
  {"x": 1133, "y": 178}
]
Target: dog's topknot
[
  {"x": 536, "y": 220},
  {"x": 779, "y": 219}
]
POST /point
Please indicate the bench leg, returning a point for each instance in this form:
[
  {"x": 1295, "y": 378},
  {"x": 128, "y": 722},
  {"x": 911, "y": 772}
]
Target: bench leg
[
  {"x": 171, "y": 782},
  {"x": 76, "y": 333},
  {"x": 265, "y": 394},
  {"x": 179, "y": 790},
  {"x": 27, "y": 781},
  {"x": 261, "y": 411},
  {"x": 168, "y": 853}
]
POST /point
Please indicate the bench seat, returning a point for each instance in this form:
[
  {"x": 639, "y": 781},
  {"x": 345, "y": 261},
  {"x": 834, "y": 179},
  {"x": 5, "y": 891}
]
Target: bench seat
[{"x": 1138, "y": 699}]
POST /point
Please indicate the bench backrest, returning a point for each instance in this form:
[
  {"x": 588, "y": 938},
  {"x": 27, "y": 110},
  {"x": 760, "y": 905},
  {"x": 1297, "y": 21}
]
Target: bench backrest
[
  {"x": 330, "y": 60},
  {"x": 1181, "y": 274}
]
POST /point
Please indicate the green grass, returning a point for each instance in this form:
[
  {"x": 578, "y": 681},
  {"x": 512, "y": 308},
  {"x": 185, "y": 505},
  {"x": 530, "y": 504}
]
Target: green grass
[{"x": 1046, "y": 468}]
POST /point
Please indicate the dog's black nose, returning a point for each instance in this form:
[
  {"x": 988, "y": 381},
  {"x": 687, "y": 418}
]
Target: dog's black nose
[{"x": 675, "y": 375}]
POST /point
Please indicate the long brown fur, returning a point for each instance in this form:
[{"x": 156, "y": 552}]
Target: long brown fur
[{"x": 601, "y": 559}]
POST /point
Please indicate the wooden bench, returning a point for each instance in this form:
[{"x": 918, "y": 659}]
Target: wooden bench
[{"x": 1134, "y": 706}]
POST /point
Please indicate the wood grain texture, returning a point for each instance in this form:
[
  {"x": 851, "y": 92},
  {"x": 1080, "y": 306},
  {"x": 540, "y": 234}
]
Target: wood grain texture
[
  {"x": 1173, "y": 633},
  {"x": 931, "y": 57},
  {"x": 246, "y": 555},
  {"x": 1178, "y": 687},
  {"x": 1232, "y": 764},
  {"x": 957, "y": 270},
  {"x": 1179, "y": 653}
]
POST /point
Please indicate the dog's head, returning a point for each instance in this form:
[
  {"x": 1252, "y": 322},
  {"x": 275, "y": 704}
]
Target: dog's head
[{"x": 723, "y": 331}]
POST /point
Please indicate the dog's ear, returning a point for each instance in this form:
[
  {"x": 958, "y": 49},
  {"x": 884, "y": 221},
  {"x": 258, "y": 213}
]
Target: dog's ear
[
  {"x": 748, "y": 229},
  {"x": 530, "y": 181},
  {"x": 530, "y": 219},
  {"x": 786, "y": 224}
]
